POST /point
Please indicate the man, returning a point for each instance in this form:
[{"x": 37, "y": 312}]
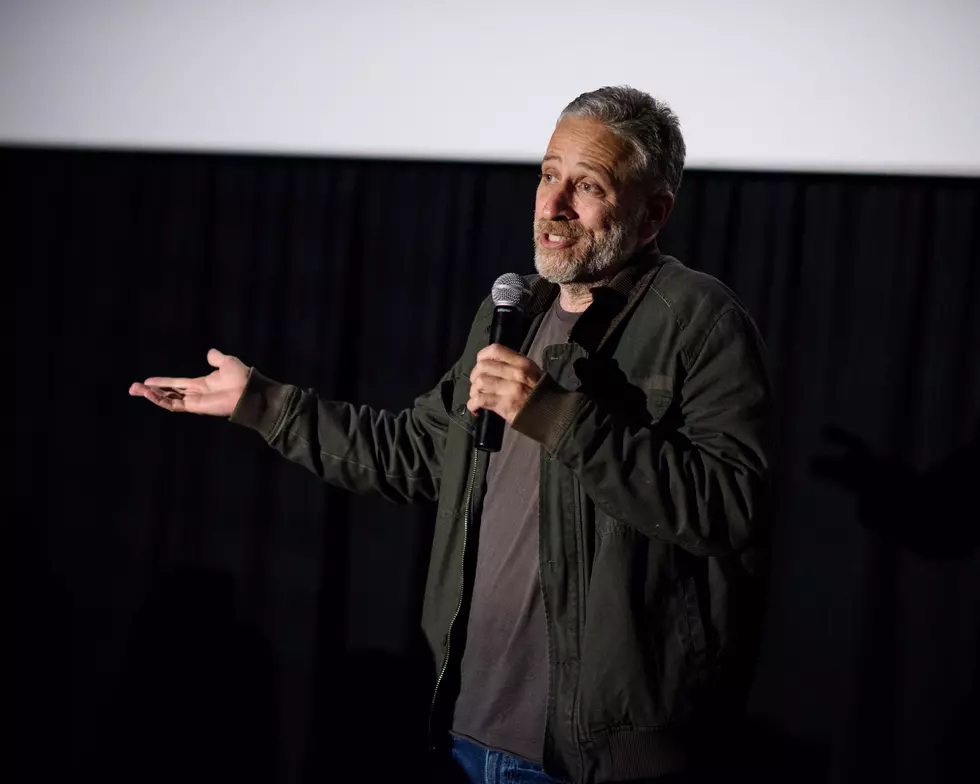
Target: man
[{"x": 594, "y": 588}]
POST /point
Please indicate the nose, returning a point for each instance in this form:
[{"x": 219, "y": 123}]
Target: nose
[{"x": 557, "y": 205}]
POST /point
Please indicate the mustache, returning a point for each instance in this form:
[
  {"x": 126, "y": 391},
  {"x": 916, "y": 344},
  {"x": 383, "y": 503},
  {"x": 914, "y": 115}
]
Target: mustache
[{"x": 561, "y": 228}]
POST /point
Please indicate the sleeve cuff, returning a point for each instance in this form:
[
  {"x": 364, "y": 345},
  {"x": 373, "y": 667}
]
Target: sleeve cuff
[
  {"x": 262, "y": 405},
  {"x": 548, "y": 412}
]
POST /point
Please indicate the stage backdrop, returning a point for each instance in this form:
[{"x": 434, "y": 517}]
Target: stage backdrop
[{"x": 190, "y": 607}]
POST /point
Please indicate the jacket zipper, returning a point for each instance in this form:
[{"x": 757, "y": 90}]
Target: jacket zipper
[
  {"x": 580, "y": 526},
  {"x": 579, "y": 522},
  {"x": 462, "y": 587}
]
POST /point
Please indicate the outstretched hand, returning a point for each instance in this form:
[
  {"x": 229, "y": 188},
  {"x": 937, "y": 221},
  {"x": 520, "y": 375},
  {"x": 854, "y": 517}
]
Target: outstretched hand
[{"x": 215, "y": 394}]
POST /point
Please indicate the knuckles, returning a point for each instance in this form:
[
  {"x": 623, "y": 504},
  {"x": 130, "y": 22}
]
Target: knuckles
[{"x": 489, "y": 372}]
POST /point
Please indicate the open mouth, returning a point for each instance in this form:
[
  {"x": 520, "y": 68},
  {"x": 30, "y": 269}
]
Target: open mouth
[{"x": 556, "y": 240}]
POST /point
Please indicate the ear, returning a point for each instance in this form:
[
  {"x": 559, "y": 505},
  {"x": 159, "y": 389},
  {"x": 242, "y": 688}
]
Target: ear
[{"x": 658, "y": 208}]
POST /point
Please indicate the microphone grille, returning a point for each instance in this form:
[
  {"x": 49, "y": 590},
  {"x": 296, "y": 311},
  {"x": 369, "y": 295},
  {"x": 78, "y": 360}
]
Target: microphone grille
[{"x": 511, "y": 289}]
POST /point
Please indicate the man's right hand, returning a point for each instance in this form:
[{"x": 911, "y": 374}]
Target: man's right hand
[{"x": 216, "y": 394}]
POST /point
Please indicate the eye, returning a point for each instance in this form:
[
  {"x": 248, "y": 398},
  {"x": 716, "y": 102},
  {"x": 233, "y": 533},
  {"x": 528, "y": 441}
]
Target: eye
[
  {"x": 548, "y": 177},
  {"x": 590, "y": 188}
]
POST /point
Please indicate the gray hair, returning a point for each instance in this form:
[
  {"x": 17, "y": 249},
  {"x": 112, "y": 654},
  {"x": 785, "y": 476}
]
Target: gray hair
[{"x": 647, "y": 124}]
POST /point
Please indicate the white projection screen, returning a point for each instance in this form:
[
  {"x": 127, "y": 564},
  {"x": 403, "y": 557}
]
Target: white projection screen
[{"x": 862, "y": 85}]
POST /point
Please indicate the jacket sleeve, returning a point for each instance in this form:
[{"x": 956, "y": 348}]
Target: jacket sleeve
[
  {"x": 398, "y": 455},
  {"x": 699, "y": 480}
]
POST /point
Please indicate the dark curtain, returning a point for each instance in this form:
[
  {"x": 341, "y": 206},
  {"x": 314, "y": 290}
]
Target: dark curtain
[{"x": 191, "y": 607}]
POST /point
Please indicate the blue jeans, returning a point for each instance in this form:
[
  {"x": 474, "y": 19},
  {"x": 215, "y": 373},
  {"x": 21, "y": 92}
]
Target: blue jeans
[
  {"x": 475, "y": 764},
  {"x": 483, "y": 766}
]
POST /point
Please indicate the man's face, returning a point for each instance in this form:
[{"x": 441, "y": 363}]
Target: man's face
[{"x": 587, "y": 220}]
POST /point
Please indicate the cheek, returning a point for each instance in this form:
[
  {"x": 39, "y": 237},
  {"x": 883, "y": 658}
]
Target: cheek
[{"x": 595, "y": 219}]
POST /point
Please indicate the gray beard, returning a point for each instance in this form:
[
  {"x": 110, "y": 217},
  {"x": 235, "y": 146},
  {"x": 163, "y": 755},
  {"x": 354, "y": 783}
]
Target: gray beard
[{"x": 596, "y": 263}]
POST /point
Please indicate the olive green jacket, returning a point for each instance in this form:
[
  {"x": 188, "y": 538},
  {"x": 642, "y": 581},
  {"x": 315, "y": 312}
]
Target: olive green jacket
[{"x": 654, "y": 425}]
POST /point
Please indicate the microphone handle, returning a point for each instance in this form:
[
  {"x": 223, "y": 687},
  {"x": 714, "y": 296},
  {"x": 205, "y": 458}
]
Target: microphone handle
[{"x": 508, "y": 329}]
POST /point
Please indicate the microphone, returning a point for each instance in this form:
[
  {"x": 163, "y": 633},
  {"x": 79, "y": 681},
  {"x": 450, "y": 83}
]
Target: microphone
[{"x": 511, "y": 296}]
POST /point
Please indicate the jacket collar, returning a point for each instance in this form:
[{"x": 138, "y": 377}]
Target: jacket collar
[{"x": 611, "y": 303}]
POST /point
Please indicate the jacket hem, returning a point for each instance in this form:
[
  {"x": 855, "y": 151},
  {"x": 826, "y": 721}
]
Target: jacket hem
[{"x": 624, "y": 754}]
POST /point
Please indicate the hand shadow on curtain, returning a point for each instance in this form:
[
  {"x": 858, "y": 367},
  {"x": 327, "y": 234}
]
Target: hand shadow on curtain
[
  {"x": 931, "y": 513},
  {"x": 927, "y": 511}
]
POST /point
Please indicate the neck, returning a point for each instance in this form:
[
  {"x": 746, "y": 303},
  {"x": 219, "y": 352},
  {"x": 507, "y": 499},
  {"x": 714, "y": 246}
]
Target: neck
[{"x": 576, "y": 297}]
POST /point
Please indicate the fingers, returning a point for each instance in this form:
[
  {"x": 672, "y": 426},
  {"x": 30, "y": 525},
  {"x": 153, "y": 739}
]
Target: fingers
[
  {"x": 487, "y": 369},
  {"x": 497, "y": 385},
  {"x": 179, "y": 384},
  {"x": 140, "y": 390},
  {"x": 216, "y": 358},
  {"x": 501, "y": 354},
  {"x": 488, "y": 400},
  {"x": 500, "y": 395},
  {"x": 501, "y": 381},
  {"x": 505, "y": 404},
  {"x": 165, "y": 398},
  {"x": 497, "y": 361}
]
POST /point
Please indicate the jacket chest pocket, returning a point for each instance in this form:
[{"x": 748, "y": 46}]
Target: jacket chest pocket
[
  {"x": 659, "y": 392},
  {"x": 658, "y": 404}
]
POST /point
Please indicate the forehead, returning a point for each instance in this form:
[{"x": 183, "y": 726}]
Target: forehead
[{"x": 584, "y": 140}]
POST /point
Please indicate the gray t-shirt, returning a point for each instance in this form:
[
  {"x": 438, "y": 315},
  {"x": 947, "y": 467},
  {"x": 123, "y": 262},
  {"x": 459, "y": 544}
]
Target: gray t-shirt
[{"x": 504, "y": 673}]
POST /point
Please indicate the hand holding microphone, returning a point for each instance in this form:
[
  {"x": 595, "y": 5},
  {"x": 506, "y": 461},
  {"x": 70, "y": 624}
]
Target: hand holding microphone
[{"x": 502, "y": 378}]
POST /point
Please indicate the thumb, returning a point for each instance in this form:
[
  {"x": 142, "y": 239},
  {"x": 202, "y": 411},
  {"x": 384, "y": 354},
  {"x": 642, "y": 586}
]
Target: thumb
[{"x": 216, "y": 358}]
